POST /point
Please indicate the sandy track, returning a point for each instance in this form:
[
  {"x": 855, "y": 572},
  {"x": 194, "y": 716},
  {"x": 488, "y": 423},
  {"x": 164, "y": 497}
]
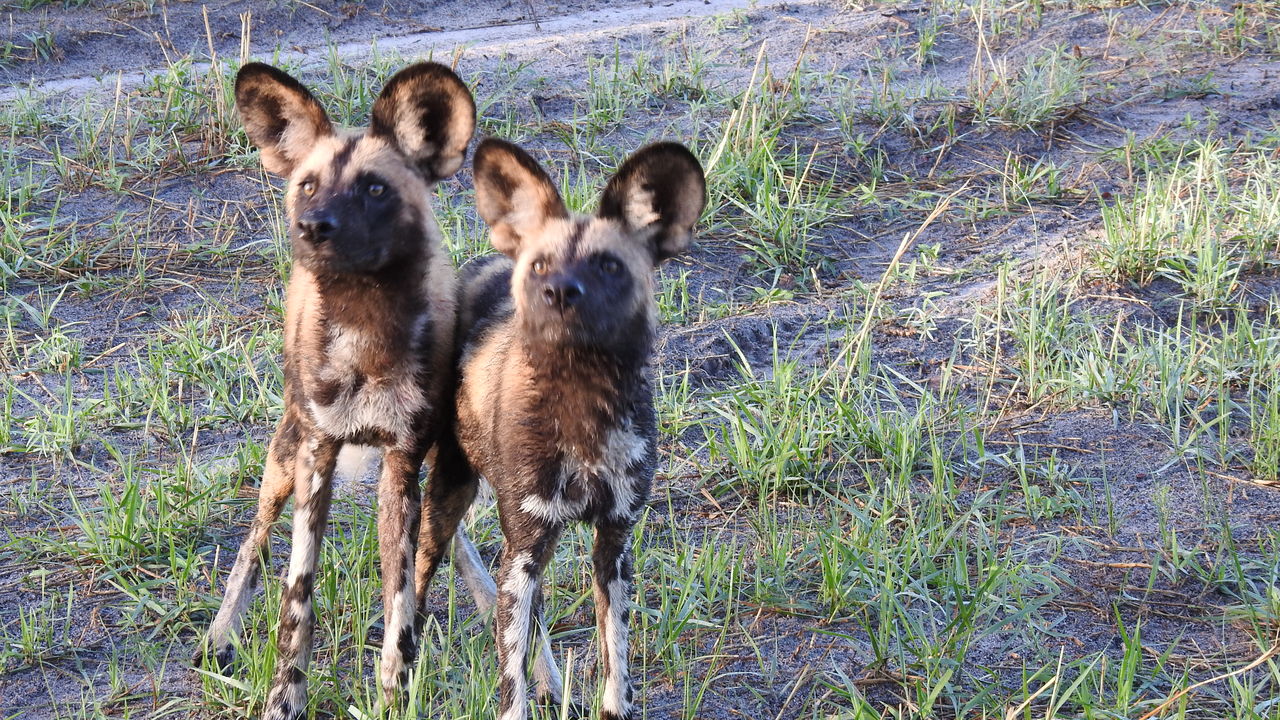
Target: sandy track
[{"x": 526, "y": 35}]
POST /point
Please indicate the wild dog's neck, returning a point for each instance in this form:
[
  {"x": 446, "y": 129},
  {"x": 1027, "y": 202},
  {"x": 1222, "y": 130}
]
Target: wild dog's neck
[
  {"x": 584, "y": 394},
  {"x": 623, "y": 358},
  {"x": 570, "y": 363},
  {"x": 388, "y": 298},
  {"x": 588, "y": 390}
]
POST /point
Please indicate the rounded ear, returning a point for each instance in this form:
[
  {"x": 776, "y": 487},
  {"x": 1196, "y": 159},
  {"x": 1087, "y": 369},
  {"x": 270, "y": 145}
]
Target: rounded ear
[
  {"x": 281, "y": 117},
  {"x": 427, "y": 112},
  {"x": 658, "y": 194},
  {"x": 514, "y": 195}
]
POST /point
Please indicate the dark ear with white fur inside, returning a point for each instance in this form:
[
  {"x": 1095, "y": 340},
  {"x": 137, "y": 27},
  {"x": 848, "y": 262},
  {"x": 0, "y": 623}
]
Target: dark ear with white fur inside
[
  {"x": 428, "y": 113},
  {"x": 280, "y": 116},
  {"x": 658, "y": 194},
  {"x": 514, "y": 195}
]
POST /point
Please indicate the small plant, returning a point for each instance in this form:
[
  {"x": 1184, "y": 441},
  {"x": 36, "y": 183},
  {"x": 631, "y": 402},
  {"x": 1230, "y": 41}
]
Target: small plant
[
  {"x": 784, "y": 210},
  {"x": 921, "y": 108},
  {"x": 1183, "y": 86},
  {"x": 1263, "y": 402},
  {"x": 32, "y": 47},
  {"x": 927, "y": 36},
  {"x": 1029, "y": 94}
]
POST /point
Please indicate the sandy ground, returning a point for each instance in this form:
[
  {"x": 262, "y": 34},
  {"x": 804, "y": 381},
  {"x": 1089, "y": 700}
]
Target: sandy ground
[{"x": 102, "y": 46}]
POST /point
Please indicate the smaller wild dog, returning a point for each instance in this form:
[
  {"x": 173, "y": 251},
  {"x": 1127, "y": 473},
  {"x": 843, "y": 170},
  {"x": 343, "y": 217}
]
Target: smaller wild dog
[
  {"x": 554, "y": 404},
  {"x": 368, "y": 342}
]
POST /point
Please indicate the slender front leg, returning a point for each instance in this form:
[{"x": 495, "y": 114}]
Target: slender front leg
[
  {"x": 450, "y": 491},
  {"x": 313, "y": 477},
  {"x": 548, "y": 684},
  {"x": 611, "y": 562},
  {"x": 277, "y": 485},
  {"x": 399, "y": 504},
  {"x": 527, "y": 550}
]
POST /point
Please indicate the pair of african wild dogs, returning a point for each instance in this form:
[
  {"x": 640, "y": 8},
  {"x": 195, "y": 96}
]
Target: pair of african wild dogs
[{"x": 532, "y": 373}]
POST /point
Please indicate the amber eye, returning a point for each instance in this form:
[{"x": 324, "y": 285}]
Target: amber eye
[
  {"x": 611, "y": 267},
  {"x": 309, "y": 188},
  {"x": 539, "y": 267},
  {"x": 377, "y": 189}
]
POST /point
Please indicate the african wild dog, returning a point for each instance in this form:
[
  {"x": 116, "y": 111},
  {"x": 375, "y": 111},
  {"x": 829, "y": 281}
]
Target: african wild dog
[
  {"x": 554, "y": 405},
  {"x": 369, "y": 320}
]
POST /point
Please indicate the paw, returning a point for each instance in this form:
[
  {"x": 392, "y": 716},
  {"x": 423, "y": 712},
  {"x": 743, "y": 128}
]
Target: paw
[
  {"x": 394, "y": 683},
  {"x": 218, "y": 659},
  {"x": 619, "y": 702},
  {"x": 393, "y": 701},
  {"x": 282, "y": 710},
  {"x": 287, "y": 705}
]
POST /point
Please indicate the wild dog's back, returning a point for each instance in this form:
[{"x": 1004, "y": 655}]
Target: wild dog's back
[{"x": 484, "y": 300}]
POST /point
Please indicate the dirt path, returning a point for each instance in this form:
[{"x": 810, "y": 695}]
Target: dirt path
[{"x": 476, "y": 28}]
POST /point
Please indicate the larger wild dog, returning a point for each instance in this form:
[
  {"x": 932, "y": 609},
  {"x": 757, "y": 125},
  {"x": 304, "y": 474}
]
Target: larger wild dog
[
  {"x": 554, "y": 403},
  {"x": 369, "y": 320}
]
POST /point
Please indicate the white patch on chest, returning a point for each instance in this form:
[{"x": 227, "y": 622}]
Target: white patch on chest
[
  {"x": 387, "y": 402},
  {"x": 622, "y": 449}
]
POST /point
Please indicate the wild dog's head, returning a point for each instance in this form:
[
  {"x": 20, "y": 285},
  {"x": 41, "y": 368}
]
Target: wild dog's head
[
  {"x": 588, "y": 280},
  {"x": 358, "y": 201}
]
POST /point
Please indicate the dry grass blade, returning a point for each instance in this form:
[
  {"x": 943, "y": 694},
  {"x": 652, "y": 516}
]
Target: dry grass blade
[{"x": 1169, "y": 701}]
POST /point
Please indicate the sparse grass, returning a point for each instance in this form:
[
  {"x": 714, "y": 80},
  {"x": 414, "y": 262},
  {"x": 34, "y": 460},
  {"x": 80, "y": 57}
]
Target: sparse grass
[
  {"x": 1199, "y": 225},
  {"x": 33, "y": 4},
  {"x": 785, "y": 207},
  {"x": 1209, "y": 381},
  {"x": 783, "y": 194},
  {"x": 1028, "y": 92},
  {"x": 922, "y": 108},
  {"x": 993, "y": 503}
]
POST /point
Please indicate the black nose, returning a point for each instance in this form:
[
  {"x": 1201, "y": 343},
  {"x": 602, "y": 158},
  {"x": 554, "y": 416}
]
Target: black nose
[
  {"x": 318, "y": 227},
  {"x": 562, "y": 292}
]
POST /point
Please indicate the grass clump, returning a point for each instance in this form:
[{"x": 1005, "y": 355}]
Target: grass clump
[
  {"x": 1210, "y": 379},
  {"x": 1028, "y": 94},
  {"x": 1215, "y": 214},
  {"x": 776, "y": 194}
]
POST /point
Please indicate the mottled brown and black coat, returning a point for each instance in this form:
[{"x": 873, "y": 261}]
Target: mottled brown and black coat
[
  {"x": 554, "y": 405},
  {"x": 368, "y": 339}
]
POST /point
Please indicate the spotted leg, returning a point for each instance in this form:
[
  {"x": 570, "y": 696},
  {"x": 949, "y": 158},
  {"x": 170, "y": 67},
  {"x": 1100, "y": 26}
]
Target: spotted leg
[
  {"x": 612, "y": 588},
  {"x": 526, "y": 551},
  {"x": 277, "y": 485},
  {"x": 313, "y": 477},
  {"x": 548, "y": 683},
  {"x": 450, "y": 491},
  {"x": 399, "y": 501}
]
